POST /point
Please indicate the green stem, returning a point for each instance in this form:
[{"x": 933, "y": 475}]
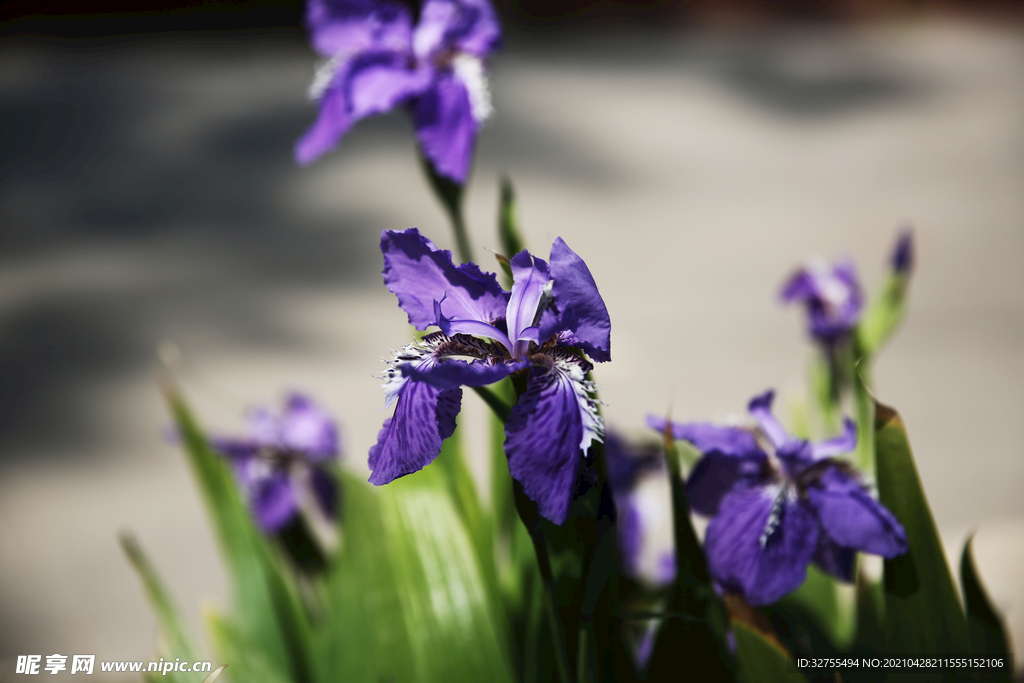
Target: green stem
[
  {"x": 551, "y": 608},
  {"x": 461, "y": 237},
  {"x": 500, "y": 408}
]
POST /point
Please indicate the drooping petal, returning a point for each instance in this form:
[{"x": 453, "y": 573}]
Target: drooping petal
[
  {"x": 273, "y": 500},
  {"x": 445, "y": 126},
  {"x": 453, "y": 373},
  {"x": 761, "y": 542},
  {"x": 709, "y": 438},
  {"x": 529, "y": 278},
  {"x": 469, "y": 26},
  {"x": 580, "y": 309},
  {"x": 470, "y": 327},
  {"x": 761, "y": 408},
  {"x": 834, "y": 558},
  {"x": 831, "y": 294},
  {"x": 378, "y": 81},
  {"x": 419, "y": 274},
  {"x": 351, "y": 26},
  {"x": 411, "y": 439},
  {"x": 853, "y": 518},
  {"x": 307, "y": 429},
  {"x": 547, "y": 434},
  {"x": 332, "y": 122},
  {"x": 238, "y": 450},
  {"x": 844, "y": 443}
]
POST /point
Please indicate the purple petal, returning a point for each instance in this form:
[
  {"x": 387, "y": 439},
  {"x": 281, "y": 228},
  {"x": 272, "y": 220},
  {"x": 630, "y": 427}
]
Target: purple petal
[
  {"x": 834, "y": 558},
  {"x": 307, "y": 429},
  {"x": 333, "y": 121},
  {"x": 853, "y": 518},
  {"x": 844, "y": 443},
  {"x": 273, "y": 500},
  {"x": 470, "y": 327},
  {"x": 709, "y": 438},
  {"x": 378, "y": 81},
  {"x": 419, "y": 274},
  {"x": 581, "y": 310},
  {"x": 529, "y": 278},
  {"x": 466, "y": 25},
  {"x": 411, "y": 439},
  {"x": 452, "y": 373},
  {"x": 238, "y": 450},
  {"x": 761, "y": 408},
  {"x": 762, "y": 571},
  {"x": 545, "y": 437},
  {"x": 626, "y": 463},
  {"x": 350, "y": 26},
  {"x": 445, "y": 126},
  {"x": 715, "y": 475}
]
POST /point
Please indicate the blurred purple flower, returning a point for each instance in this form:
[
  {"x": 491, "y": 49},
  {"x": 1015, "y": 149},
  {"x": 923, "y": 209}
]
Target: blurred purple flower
[
  {"x": 377, "y": 60},
  {"x": 778, "y": 503},
  {"x": 831, "y": 295},
  {"x": 487, "y": 334},
  {"x": 626, "y": 465},
  {"x": 281, "y": 460}
]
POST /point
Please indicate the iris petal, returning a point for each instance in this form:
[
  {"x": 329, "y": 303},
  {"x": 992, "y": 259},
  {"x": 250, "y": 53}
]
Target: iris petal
[
  {"x": 546, "y": 435},
  {"x": 354, "y": 25},
  {"x": 411, "y": 439},
  {"x": 853, "y": 518},
  {"x": 529, "y": 278},
  {"x": 762, "y": 571},
  {"x": 273, "y": 500},
  {"x": 581, "y": 310},
  {"x": 452, "y": 373},
  {"x": 307, "y": 429},
  {"x": 445, "y": 126},
  {"x": 419, "y": 274}
]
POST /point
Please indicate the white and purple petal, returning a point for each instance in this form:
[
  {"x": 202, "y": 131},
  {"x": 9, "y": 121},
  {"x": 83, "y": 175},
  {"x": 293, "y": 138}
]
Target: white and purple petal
[
  {"x": 411, "y": 439},
  {"x": 419, "y": 274},
  {"x": 852, "y": 517},
  {"x": 760, "y": 542},
  {"x": 547, "y": 433},
  {"x": 580, "y": 309}
]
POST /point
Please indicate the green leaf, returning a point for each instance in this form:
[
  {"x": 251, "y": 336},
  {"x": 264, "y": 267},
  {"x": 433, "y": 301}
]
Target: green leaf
[
  {"x": 760, "y": 661},
  {"x": 923, "y": 613},
  {"x": 176, "y": 640},
  {"x": 407, "y": 595},
  {"x": 988, "y": 636}
]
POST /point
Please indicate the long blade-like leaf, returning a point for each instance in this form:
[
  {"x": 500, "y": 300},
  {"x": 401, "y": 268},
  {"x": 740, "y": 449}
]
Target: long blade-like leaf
[{"x": 988, "y": 635}]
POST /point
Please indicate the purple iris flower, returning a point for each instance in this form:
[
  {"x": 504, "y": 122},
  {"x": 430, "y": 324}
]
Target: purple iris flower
[
  {"x": 377, "y": 60},
  {"x": 832, "y": 296},
  {"x": 777, "y": 503},
  {"x": 553, "y": 312},
  {"x": 282, "y": 459}
]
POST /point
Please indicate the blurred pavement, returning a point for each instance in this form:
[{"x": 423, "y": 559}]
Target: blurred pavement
[{"x": 147, "y": 193}]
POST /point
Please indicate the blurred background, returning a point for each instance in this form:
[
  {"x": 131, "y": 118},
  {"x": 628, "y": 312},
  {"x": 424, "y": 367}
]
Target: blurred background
[{"x": 694, "y": 153}]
